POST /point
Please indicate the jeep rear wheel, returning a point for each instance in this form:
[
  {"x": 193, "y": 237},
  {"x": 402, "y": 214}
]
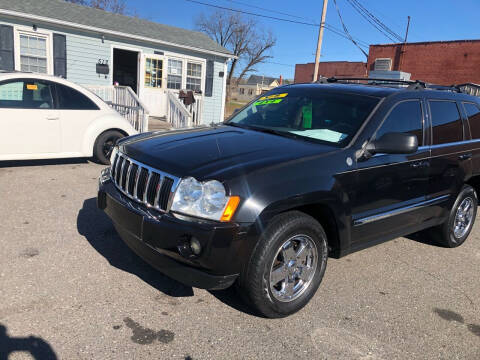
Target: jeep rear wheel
[
  {"x": 460, "y": 221},
  {"x": 287, "y": 265}
]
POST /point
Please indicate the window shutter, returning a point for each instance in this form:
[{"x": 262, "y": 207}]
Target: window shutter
[
  {"x": 209, "y": 79},
  {"x": 6, "y": 48},
  {"x": 60, "y": 55}
]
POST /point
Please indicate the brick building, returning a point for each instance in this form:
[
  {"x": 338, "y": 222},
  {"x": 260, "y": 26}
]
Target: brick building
[
  {"x": 439, "y": 62},
  {"x": 304, "y": 72}
]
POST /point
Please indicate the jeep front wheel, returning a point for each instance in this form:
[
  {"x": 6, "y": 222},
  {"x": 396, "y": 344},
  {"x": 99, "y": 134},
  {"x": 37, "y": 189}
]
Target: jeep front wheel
[{"x": 287, "y": 265}]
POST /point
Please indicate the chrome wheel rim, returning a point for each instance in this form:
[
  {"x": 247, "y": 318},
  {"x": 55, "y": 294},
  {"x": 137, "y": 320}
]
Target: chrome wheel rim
[
  {"x": 463, "y": 218},
  {"x": 293, "y": 268}
]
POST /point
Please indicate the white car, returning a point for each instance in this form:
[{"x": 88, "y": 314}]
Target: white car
[{"x": 45, "y": 117}]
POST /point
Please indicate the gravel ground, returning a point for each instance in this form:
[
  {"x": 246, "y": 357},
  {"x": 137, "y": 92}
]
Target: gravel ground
[{"x": 70, "y": 289}]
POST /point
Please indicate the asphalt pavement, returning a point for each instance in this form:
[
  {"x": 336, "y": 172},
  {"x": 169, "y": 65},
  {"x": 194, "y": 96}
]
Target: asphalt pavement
[{"x": 70, "y": 289}]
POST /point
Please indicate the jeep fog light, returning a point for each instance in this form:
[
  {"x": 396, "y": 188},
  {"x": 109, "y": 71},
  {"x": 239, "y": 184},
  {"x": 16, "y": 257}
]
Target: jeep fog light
[{"x": 195, "y": 246}]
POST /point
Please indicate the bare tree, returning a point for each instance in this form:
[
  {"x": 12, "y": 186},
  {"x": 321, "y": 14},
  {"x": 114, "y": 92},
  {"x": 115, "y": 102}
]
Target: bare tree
[
  {"x": 114, "y": 6},
  {"x": 221, "y": 29},
  {"x": 241, "y": 35},
  {"x": 258, "y": 53}
]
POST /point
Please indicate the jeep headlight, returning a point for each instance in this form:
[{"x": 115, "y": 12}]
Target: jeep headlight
[{"x": 206, "y": 200}]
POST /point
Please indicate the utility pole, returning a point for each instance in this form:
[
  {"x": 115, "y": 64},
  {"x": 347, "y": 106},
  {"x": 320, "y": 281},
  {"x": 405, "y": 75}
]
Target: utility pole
[
  {"x": 403, "y": 46},
  {"x": 320, "y": 39},
  {"x": 406, "y": 34}
]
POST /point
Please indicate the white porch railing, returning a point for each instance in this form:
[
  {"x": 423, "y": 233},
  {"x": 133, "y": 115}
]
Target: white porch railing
[
  {"x": 125, "y": 101},
  {"x": 181, "y": 115}
]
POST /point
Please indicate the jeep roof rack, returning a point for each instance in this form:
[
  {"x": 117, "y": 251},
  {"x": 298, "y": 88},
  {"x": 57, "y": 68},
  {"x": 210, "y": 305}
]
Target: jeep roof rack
[
  {"x": 467, "y": 88},
  {"x": 470, "y": 89},
  {"x": 370, "y": 81}
]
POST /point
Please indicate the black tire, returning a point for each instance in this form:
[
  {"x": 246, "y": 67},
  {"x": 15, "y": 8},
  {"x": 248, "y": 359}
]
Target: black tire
[
  {"x": 444, "y": 234},
  {"x": 254, "y": 282},
  {"x": 104, "y": 144}
]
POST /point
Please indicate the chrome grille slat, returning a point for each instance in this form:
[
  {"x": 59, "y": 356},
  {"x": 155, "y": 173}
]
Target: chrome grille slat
[
  {"x": 124, "y": 175},
  {"x": 142, "y": 183},
  {"x": 114, "y": 165},
  {"x": 152, "y": 188},
  {"x": 131, "y": 179},
  {"x": 119, "y": 169},
  {"x": 135, "y": 189},
  {"x": 121, "y": 172},
  {"x": 157, "y": 192},
  {"x": 146, "y": 187},
  {"x": 127, "y": 182}
]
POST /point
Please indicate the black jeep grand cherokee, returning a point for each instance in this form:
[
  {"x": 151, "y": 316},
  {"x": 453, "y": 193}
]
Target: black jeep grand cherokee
[{"x": 304, "y": 172}]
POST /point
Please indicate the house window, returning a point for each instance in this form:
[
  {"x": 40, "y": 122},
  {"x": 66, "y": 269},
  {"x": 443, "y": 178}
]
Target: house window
[
  {"x": 242, "y": 91},
  {"x": 250, "y": 91},
  {"x": 33, "y": 53},
  {"x": 153, "y": 72},
  {"x": 174, "y": 80},
  {"x": 194, "y": 76}
]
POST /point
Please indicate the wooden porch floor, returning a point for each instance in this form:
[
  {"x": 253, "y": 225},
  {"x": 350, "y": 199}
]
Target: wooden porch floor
[{"x": 158, "y": 124}]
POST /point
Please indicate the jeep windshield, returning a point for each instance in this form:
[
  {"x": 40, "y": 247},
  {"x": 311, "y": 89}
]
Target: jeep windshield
[{"x": 325, "y": 117}]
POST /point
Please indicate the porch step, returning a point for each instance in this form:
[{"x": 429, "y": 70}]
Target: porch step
[{"x": 158, "y": 124}]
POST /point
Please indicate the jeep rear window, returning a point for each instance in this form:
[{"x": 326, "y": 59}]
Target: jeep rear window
[{"x": 318, "y": 116}]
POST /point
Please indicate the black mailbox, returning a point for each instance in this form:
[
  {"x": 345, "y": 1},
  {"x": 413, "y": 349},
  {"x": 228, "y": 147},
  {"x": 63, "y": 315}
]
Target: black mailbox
[{"x": 103, "y": 69}]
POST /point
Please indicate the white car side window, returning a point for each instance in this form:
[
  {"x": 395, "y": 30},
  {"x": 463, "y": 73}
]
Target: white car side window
[{"x": 12, "y": 91}]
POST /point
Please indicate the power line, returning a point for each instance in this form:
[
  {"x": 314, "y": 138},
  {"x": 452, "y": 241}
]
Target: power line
[
  {"x": 329, "y": 27},
  {"x": 346, "y": 30},
  {"x": 363, "y": 44},
  {"x": 354, "y": 5},
  {"x": 269, "y": 10},
  {"x": 281, "y": 64},
  {"x": 374, "y": 21},
  {"x": 378, "y": 21}
]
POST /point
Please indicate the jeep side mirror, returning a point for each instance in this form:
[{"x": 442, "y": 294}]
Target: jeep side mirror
[{"x": 393, "y": 143}]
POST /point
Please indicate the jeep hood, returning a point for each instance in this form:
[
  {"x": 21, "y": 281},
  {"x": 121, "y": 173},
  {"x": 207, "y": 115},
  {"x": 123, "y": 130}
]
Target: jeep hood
[{"x": 216, "y": 152}]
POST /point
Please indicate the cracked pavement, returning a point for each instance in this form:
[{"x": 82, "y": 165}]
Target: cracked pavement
[{"x": 70, "y": 289}]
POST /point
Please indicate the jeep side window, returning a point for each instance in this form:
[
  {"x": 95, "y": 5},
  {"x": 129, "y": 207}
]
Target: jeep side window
[
  {"x": 446, "y": 122},
  {"x": 405, "y": 117},
  {"x": 473, "y": 113}
]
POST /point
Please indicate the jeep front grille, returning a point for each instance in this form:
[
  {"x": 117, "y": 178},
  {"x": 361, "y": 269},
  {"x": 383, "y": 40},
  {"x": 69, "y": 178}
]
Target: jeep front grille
[{"x": 142, "y": 183}]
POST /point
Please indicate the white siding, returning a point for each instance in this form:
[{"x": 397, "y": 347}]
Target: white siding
[{"x": 212, "y": 110}]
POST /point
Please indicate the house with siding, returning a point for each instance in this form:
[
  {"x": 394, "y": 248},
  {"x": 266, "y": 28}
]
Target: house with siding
[
  {"x": 99, "y": 49},
  {"x": 253, "y": 87}
]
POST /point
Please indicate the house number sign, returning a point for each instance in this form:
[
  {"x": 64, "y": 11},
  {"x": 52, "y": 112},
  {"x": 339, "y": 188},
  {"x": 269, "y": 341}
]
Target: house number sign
[{"x": 102, "y": 67}]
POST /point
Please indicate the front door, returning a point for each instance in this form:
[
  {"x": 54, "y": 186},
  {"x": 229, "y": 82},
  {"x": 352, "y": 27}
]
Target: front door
[
  {"x": 29, "y": 121},
  {"x": 391, "y": 188},
  {"x": 125, "y": 68},
  {"x": 154, "y": 86}
]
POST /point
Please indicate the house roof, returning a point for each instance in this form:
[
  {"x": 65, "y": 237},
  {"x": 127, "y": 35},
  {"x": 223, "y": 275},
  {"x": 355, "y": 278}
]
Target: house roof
[
  {"x": 73, "y": 15},
  {"x": 257, "y": 79}
]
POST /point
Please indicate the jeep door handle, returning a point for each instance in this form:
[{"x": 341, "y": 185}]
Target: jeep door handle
[
  {"x": 53, "y": 118},
  {"x": 419, "y": 164},
  {"x": 465, "y": 156}
]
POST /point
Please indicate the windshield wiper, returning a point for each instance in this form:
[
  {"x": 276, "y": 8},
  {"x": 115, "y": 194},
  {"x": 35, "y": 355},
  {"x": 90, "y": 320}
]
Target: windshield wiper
[{"x": 264, "y": 130}]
